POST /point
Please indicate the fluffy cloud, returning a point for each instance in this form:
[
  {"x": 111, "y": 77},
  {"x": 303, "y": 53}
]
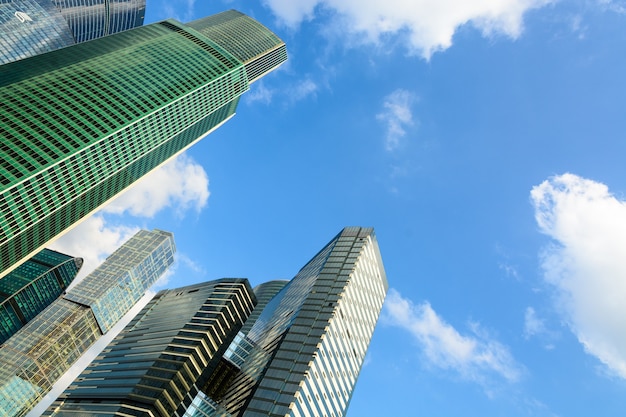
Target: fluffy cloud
[
  {"x": 93, "y": 240},
  {"x": 475, "y": 357},
  {"x": 180, "y": 185},
  {"x": 397, "y": 116},
  {"x": 429, "y": 25},
  {"x": 585, "y": 265}
]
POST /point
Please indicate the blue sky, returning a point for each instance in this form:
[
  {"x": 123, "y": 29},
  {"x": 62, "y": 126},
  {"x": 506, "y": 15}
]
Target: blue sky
[{"x": 482, "y": 140}]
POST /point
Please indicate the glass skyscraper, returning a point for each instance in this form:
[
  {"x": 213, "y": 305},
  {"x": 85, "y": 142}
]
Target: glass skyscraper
[
  {"x": 307, "y": 347},
  {"x": 161, "y": 360},
  {"x": 31, "y": 287},
  {"x": 92, "y": 19},
  {"x": 82, "y": 123},
  {"x": 35, "y": 357},
  {"x": 31, "y": 27},
  {"x": 298, "y": 354}
]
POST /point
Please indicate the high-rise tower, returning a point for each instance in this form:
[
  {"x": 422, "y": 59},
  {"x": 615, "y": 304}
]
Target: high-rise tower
[
  {"x": 34, "y": 358},
  {"x": 299, "y": 353},
  {"x": 159, "y": 362},
  {"x": 32, "y": 286},
  {"x": 31, "y": 27},
  {"x": 313, "y": 335},
  {"x": 80, "y": 124}
]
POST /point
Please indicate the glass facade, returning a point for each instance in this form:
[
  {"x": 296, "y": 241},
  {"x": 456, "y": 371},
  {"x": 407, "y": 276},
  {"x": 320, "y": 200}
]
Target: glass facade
[
  {"x": 92, "y": 19},
  {"x": 31, "y": 287},
  {"x": 314, "y": 334},
  {"x": 87, "y": 121},
  {"x": 158, "y": 363},
  {"x": 31, "y": 27},
  {"x": 325, "y": 387},
  {"x": 116, "y": 285},
  {"x": 298, "y": 354},
  {"x": 34, "y": 358},
  {"x": 262, "y": 50}
]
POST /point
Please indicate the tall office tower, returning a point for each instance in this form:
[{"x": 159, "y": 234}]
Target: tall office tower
[
  {"x": 31, "y": 27},
  {"x": 80, "y": 124},
  {"x": 300, "y": 356},
  {"x": 315, "y": 334},
  {"x": 34, "y": 358},
  {"x": 32, "y": 286},
  {"x": 159, "y": 362}
]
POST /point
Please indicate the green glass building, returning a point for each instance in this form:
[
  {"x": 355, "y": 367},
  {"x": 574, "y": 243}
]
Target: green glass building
[
  {"x": 32, "y": 286},
  {"x": 80, "y": 124},
  {"x": 34, "y": 358}
]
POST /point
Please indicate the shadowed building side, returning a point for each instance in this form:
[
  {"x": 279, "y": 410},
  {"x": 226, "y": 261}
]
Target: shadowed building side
[
  {"x": 156, "y": 365},
  {"x": 34, "y": 358},
  {"x": 303, "y": 353},
  {"x": 31, "y": 287},
  {"x": 298, "y": 354}
]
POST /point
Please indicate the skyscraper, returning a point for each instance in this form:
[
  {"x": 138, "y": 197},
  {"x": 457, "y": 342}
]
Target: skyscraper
[
  {"x": 92, "y": 19},
  {"x": 158, "y": 363},
  {"x": 298, "y": 354},
  {"x": 34, "y": 358},
  {"x": 315, "y": 333},
  {"x": 32, "y": 286},
  {"x": 82, "y": 123},
  {"x": 31, "y": 27}
]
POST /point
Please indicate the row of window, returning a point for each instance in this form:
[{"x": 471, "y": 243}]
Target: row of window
[{"x": 14, "y": 218}]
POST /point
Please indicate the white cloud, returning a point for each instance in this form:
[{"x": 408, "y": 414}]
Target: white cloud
[
  {"x": 182, "y": 10},
  {"x": 586, "y": 264},
  {"x": 299, "y": 90},
  {"x": 475, "y": 357},
  {"x": 293, "y": 12},
  {"x": 533, "y": 325},
  {"x": 259, "y": 93},
  {"x": 93, "y": 240},
  {"x": 429, "y": 25},
  {"x": 303, "y": 90},
  {"x": 397, "y": 116},
  {"x": 192, "y": 265},
  {"x": 509, "y": 270},
  {"x": 616, "y": 6},
  {"x": 180, "y": 185}
]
